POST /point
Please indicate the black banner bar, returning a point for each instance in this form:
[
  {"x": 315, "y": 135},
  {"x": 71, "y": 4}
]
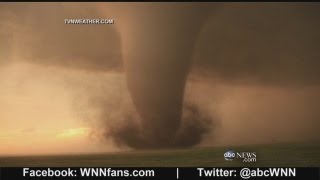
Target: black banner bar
[{"x": 165, "y": 173}]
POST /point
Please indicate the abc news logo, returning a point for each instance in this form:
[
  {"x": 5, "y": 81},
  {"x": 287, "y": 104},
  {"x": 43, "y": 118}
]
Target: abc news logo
[{"x": 230, "y": 155}]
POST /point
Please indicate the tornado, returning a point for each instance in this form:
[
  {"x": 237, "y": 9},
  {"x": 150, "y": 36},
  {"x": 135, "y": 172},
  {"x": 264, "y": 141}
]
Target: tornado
[
  {"x": 151, "y": 47},
  {"x": 158, "y": 43}
]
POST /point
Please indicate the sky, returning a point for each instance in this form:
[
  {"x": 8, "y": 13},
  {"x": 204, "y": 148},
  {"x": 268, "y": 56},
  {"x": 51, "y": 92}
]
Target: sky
[
  {"x": 240, "y": 73},
  {"x": 39, "y": 114}
]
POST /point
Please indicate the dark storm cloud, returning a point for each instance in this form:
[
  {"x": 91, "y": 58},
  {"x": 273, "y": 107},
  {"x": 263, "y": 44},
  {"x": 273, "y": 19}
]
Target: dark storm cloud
[
  {"x": 42, "y": 36},
  {"x": 4, "y": 46},
  {"x": 267, "y": 43}
]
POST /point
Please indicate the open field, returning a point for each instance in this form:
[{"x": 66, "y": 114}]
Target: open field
[{"x": 286, "y": 155}]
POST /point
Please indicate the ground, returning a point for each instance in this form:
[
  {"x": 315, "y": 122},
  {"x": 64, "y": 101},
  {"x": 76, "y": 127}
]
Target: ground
[{"x": 279, "y": 155}]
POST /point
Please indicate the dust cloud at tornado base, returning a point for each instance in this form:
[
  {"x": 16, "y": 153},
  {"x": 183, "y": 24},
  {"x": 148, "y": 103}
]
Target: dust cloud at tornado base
[{"x": 185, "y": 83}]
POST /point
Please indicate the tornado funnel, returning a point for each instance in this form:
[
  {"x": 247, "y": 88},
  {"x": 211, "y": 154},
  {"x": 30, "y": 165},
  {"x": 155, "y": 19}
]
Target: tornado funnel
[{"x": 158, "y": 46}]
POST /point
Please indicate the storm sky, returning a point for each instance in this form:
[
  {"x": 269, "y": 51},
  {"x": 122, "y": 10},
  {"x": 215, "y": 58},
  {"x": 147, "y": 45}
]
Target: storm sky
[{"x": 164, "y": 75}]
